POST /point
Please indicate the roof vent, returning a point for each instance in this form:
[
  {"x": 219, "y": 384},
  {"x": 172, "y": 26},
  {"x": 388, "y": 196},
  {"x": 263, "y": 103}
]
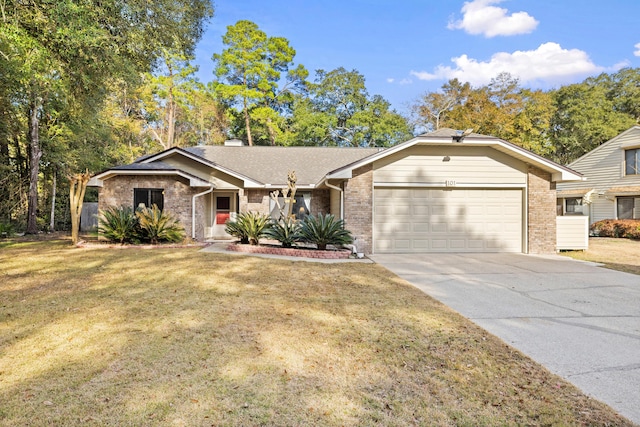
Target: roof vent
[
  {"x": 234, "y": 143},
  {"x": 461, "y": 135}
]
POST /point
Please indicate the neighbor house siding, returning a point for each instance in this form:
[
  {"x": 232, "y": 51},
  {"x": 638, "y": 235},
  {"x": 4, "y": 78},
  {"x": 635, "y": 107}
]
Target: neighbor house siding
[
  {"x": 358, "y": 202},
  {"x": 604, "y": 169},
  {"x": 178, "y": 195},
  {"x": 541, "y": 201}
]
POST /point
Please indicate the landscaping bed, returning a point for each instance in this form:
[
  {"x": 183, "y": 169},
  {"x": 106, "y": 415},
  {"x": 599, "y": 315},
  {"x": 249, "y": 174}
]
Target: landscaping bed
[{"x": 296, "y": 252}]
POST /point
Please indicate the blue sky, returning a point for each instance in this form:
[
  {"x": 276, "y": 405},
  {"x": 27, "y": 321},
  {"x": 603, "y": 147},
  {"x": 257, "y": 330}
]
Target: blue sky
[{"x": 405, "y": 48}]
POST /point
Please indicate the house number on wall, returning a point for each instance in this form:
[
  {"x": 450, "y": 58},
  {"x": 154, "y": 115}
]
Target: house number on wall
[{"x": 450, "y": 183}]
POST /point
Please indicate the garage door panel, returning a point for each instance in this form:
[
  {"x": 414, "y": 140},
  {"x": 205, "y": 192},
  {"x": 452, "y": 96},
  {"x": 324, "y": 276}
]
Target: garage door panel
[{"x": 448, "y": 220}]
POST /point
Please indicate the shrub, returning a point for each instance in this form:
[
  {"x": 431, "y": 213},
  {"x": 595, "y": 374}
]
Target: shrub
[
  {"x": 286, "y": 231},
  {"x": 323, "y": 230},
  {"x": 159, "y": 226},
  {"x": 236, "y": 228},
  {"x": 249, "y": 227},
  {"x": 621, "y": 228},
  {"x": 6, "y": 229},
  {"x": 118, "y": 224}
]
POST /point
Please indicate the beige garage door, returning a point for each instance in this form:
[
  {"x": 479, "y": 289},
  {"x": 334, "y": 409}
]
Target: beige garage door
[{"x": 447, "y": 220}]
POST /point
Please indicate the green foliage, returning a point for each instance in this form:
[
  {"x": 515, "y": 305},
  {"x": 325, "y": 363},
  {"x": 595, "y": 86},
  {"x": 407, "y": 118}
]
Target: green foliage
[
  {"x": 286, "y": 231},
  {"x": 159, "y": 226},
  {"x": 340, "y": 112},
  {"x": 119, "y": 224},
  {"x": 6, "y": 230},
  {"x": 237, "y": 229},
  {"x": 323, "y": 230},
  {"x": 584, "y": 118},
  {"x": 123, "y": 225},
  {"x": 249, "y": 71},
  {"x": 620, "y": 228},
  {"x": 59, "y": 59},
  {"x": 249, "y": 227}
]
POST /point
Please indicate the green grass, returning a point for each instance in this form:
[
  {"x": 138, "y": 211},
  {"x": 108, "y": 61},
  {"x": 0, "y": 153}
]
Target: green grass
[{"x": 179, "y": 337}]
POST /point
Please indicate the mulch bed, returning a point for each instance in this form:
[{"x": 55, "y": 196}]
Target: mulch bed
[{"x": 296, "y": 252}]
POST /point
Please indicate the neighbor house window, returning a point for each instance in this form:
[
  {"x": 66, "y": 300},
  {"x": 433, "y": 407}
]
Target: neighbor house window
[
  {"x": 632, "y": 162},
  {"x": 573, "y": 206},
  {"x": 147, "y": 197},
  {"x": 301, "y": 206},
  {"x": 628, "y": 207}
]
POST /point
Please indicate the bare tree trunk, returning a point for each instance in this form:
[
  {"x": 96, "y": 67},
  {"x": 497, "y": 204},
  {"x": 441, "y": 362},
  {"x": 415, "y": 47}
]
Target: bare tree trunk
[
  {"x": 272, "y": 134},
  {"x": 77, "y": 187},
  {"x": 247, "y": 123},
  {"x": 52, "y": 222},
  {"x": 35, "y": 154}
]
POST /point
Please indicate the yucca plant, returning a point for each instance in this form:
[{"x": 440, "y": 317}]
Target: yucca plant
[
  {"x": 286, "y": 231},
  {"x": 323, "y": 230},
  {"x": 118, "y": 224},
  {"x": 156, "y": 225}
]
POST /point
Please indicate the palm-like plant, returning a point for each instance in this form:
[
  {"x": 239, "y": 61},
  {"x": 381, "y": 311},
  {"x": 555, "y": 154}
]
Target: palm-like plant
[
  {"x": 323, "y": 230},
  {"x": 156, "y": 225},
  {"x": 118, "y": 224},
  {"x": 249, "y": 226},
  {"x": 286, "y": 231},
  {"x": 236, "y": 228}
]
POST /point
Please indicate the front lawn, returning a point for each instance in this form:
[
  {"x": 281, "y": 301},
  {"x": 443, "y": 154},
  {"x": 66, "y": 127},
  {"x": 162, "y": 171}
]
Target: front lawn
[
  {"x": 184, "y": 338},
  {"x": 616, "y": 254}
]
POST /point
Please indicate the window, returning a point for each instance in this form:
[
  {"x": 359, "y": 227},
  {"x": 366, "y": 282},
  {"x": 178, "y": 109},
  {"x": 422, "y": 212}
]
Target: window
[
  {"x": 301, "y": 206},
  {"x": 628, "y": 207},
  {"x": 632, "y": 162},
  {"x": 147, "y": 197},
  {"x": 573, "y": 206}
]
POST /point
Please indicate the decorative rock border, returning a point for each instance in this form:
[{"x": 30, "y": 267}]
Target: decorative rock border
[{"x": 297, "y": 252}]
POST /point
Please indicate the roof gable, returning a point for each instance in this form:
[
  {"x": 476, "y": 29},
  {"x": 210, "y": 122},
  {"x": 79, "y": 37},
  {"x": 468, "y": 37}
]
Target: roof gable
[{"x": 448, "y": 137}]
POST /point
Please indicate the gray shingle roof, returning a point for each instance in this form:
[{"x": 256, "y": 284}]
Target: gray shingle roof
[
  {"x": 145, "y": 166},
  {"x": 270, "y": 165},
  {"x": 449, "y": 132}
]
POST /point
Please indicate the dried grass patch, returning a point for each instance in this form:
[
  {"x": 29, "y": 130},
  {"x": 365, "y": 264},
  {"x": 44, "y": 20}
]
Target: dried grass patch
[
  {"x": 616, "y": 254},
  {"x": 180, "y": 337}
]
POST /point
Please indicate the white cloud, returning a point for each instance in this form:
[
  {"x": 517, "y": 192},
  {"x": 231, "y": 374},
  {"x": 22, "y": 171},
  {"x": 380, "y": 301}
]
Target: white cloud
[
  {"x": 391, "y": 80},
  {"x": 548, "y": 65},
  {"x": 637, "y": 51},
  {"x": 480, "y": 17}
]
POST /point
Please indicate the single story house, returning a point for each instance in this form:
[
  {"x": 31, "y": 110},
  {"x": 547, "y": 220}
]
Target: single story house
[
  {"x": 445, "y": 191},
  {"x": 612, "y": 188}
]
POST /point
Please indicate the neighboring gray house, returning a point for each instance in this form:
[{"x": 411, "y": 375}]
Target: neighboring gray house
[
  {"x": 612, "y": 186},
  {"x": 438, "y": 192}
]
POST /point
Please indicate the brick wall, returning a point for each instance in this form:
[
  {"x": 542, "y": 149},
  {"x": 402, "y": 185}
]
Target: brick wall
[
  {"x": 258, "y": 200},
  {"x": 118, "y": 191},
  {"x": 358, "y": 207},
  {"x": 321, "y": 202},
  {"x": 542, "y": 212},
  {"x": 254, "y": 201}
]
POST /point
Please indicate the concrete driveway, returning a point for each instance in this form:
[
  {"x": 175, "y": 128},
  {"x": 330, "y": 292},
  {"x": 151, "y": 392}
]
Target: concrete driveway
[{"x": 580, "y": 321}]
